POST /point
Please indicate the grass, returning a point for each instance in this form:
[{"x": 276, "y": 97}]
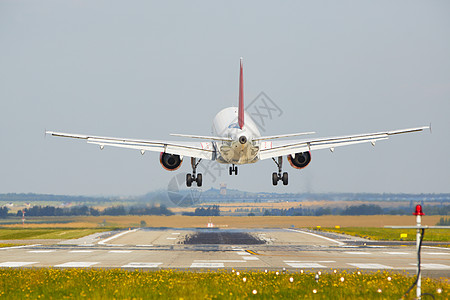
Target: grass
[
  {"x": 389, "y": 234},
  {"x": 46, "y": 233},
  {"x": 169, "y": 284},
  {"x": 178, "y": 221}
]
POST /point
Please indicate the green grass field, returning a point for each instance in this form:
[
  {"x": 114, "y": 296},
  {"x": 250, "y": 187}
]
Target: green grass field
[
  {"x": 389, "y": 234},
  {"x": 120, "y": 284},
  {"x": 46, "y": 233}
]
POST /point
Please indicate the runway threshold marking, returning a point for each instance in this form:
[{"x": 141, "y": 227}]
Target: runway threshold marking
[
  {"x": 357, "y": 252},
  {"x": 397, "y": 253},
  {"x": 120, "y": 251},
  {"x": 81, "y": 251},
  {"x": 41, "y": 251},
  {"x": 16, "y": 264},
  {"x": 317, "y": 235},
  {"x": 141, "y": 265},
  {"x": 250, "y": 258},
  {"x": 433, "y": 266},
  {"x": 76, "y": 264},
  {"x": 369, "y": 266},
  {"x": 207, "y": 265},
  {"x": 243, "y": 253},
  {"x": 304, "y": 265}
]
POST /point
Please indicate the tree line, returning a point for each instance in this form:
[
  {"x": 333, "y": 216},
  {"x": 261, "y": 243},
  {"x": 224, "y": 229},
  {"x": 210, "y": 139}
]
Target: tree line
[
  {"x": 51, "y": 211},
  {"x": 200, "y": 211},
  {"x": 356, "y": 210}
]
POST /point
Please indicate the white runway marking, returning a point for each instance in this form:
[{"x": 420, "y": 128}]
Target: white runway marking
[
  {"x": 309, "y": 261},
  {"x": 18, "y": 247},
  {"x": 207, "y": 265},
  {"x": 250, "y": 258},
  {"x": 171, "y": 238},
  {"x": 437, "y": 253},
  {"x": 77, "y": 264},
  {"x": 175, "y": 233},
  {"x": 141, "y": 265},
  {"x": 116, "y": 236},
  {"x": 144, "y": 245},
  {"x": 85, "y": 245},
  {"x": 433, "y": 266},
  {"x": 397, "y": 253},
  {"x": 369, "y": 266},
  {"x": 238, "y": 249},
  {"x": 218, "y": 261},
  {"x": 357, "y": 252},
  {"x": 15, "y": 264},
  {"x": 243, "y": 253},
  {"x": 319, "y": 236},
  {"x": 304, "y": 265},
  {"x": 120, "y": 251},
  {"x": 81, "y": 251},
  {"x": 41, "y": 251}
]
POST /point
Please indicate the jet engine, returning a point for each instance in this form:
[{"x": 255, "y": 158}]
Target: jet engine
[
  {"x": 170, "y": 162},
  {"x": 300, "y": 160}
]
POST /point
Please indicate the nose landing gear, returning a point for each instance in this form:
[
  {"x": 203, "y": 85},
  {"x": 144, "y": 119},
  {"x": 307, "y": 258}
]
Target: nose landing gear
[
  {"x": 233, "y": 169},
  {"x": 278, "y": 176},
  {"x": 198, "y": 178}
]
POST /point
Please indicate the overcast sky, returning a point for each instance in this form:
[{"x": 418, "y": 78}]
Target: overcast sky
[{"x": 145, "y": 69}]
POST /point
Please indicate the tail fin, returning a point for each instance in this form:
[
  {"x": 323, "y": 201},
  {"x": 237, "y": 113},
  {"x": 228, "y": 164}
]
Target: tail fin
[{"x": 241, "y": 98}]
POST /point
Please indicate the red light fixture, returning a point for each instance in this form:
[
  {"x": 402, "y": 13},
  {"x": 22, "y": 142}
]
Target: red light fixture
[{"x": 418, "y": 211}]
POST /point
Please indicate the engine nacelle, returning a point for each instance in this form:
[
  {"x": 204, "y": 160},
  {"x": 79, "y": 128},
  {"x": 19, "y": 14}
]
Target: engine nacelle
[
  {"x": 170, "y": 162},
  {"x": 300, "y": 160}
]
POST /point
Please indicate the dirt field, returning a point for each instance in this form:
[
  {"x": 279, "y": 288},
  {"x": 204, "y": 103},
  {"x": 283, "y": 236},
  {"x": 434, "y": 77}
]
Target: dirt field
[{"x": 233, "y": 222}]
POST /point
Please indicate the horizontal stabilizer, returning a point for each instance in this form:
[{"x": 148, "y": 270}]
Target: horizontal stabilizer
[
  {"x": 203, "y": 137},
  {"x": 281, "y": 136}
]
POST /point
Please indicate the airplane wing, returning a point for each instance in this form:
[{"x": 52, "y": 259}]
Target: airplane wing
[
  {"x": 203, "y": 150},
  {"x": 275, "y": 149}
]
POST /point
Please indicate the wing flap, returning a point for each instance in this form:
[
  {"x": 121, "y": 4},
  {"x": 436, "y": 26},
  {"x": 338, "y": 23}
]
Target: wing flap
[
  {"x": 191, "y": 149},
  {"x": 291, "y": 147}
]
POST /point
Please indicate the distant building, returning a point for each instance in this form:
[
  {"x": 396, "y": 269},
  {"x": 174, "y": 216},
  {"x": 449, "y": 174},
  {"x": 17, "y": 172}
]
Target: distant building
[{"x": 223, "y": 189}]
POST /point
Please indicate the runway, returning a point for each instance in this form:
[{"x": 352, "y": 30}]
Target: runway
[{"x": 255, "y": 249}]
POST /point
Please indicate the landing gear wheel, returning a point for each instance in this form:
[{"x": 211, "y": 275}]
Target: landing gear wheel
[
  {"x": 233, "y": 169},
  {"x": 199, "y": 180},
  {"x": 274, "y": 178},
  {"x": 285, "y": 178},
  {"x": 188, "y": 180}
]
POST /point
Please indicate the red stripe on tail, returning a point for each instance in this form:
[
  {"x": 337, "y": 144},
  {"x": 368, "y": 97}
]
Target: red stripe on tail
[{"x": 241, "y": 99}]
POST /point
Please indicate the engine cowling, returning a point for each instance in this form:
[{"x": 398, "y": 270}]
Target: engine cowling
[
  {"x": 300, "y": 160},
  {"x": 170, "y": 162}
]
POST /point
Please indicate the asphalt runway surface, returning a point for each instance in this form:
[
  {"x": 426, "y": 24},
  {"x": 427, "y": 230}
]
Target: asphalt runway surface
[{"x": 240, "y": 249}]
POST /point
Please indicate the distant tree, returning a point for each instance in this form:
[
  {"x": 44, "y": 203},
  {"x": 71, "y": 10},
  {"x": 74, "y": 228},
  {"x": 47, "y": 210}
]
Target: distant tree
[
  {"x": 3, "y": 212},
  {"x": 363, "y": 209}
]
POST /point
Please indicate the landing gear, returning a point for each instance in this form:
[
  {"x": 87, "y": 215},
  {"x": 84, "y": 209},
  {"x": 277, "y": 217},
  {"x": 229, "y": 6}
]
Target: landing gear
[
  {"x": 277, "y": 176},
  {"x": 198, "y": 178},
  {"x": 234, "y": 170}
]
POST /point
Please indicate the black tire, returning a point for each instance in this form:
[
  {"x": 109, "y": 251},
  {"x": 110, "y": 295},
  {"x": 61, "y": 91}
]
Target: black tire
[
  {"x": 199, "y": 180},
  {"x": 285, "y": 178},
  {"x": 274, "y": 178},
  {"x": 188, "y": 180},
  {"x": 231, "y": 170},
  {"x": 235, "y": 170}
]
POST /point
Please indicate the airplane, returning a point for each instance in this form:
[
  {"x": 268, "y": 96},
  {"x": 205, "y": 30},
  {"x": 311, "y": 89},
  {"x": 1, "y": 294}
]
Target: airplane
[{"x": 235, "y": 141}]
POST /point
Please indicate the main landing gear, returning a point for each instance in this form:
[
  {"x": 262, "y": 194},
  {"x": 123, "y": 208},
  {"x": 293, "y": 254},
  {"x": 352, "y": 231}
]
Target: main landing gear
[
  {"x": 233, "y": 169},
  {"x": 198, "y": 178},
  {"x": 277, "y": 176}
]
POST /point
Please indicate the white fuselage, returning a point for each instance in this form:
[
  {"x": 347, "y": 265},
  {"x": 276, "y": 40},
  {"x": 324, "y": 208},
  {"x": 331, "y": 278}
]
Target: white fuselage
[{"x": 242, "y": 149}]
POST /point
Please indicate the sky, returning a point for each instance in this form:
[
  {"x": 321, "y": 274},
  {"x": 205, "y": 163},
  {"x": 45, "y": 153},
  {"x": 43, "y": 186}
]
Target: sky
[{"x": 145, "y": 69}]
